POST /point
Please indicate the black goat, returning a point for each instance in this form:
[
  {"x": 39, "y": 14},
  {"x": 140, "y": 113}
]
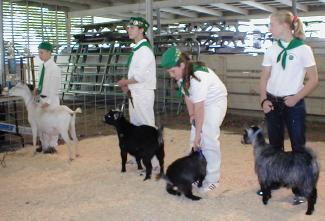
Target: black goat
[
  {"x": 296, "y": 170},
  {"x": 142, "y": 142},
  {"x": 183, "y": 172}
]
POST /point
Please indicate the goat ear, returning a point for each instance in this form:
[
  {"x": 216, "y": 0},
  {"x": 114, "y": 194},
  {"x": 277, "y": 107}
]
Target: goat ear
[{"x": 122, "y": 108}]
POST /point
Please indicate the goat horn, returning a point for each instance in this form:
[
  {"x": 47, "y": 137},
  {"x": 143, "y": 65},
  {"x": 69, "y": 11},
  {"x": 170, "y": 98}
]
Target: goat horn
[{"x": 122, "y": 108}]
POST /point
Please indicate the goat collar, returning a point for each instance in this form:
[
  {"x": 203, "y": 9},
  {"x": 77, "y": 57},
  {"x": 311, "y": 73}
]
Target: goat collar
[{"x": 255, "y": 134}]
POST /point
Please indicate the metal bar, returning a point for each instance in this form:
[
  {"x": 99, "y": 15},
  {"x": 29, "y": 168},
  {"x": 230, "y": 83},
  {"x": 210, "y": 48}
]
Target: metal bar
[
  {"x": 149, "y": 19},
  {"x": 2, "y": 50},
  {"x": 294, "y": 7}
]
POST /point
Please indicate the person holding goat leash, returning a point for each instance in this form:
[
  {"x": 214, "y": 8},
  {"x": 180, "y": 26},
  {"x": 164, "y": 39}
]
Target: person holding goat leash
[
  {"x": 286, "y": 64},
  {"x": 141, "y": 81},
  {"x": 206, "y": 101}
]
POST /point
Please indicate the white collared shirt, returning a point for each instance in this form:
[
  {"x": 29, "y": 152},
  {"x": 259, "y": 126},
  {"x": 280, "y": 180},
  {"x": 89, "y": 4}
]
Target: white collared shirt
[
  {"x": 51, "y": 82},
  {"x": 288, "y": 81},
  {"x": 209, "y": 88},
  {"x": 143, "y": 68}
]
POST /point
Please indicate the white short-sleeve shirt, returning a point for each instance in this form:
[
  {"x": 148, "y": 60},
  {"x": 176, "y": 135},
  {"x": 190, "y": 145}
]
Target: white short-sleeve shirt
[
  {"x": 143, "y": 68},
  {"x": 288, "y": 81},
  {"x": 209, "y": 89}
]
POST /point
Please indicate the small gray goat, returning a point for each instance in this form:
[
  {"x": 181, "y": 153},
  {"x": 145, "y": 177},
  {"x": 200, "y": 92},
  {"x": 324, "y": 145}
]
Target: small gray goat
[{"x": 296, "y": 170}]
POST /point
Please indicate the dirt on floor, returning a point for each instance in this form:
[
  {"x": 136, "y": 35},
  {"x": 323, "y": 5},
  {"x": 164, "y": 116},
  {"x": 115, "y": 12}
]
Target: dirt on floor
[{"x": 47, "y": 187}]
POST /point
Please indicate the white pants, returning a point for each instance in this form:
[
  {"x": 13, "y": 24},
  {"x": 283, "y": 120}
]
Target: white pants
[
  {"x": 142, "y": 113},
  {"x": 49, "y": 140},
  {"x": 210, "y": 144}
]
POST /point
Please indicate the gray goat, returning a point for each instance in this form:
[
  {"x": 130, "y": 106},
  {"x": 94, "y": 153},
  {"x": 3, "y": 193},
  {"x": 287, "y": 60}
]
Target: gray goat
[{"x": 296, "y": 170}]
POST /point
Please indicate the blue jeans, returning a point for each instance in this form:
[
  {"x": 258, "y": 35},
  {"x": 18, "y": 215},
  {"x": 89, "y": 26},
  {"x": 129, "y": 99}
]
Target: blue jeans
[{"x": 294, "y": 119}]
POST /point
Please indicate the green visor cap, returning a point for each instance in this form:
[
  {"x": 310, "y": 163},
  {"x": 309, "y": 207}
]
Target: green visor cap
[
  {"x": 46, "y": 45},
  {"x": 170, "y": 58},
  {"x": 140, "y": 22}
]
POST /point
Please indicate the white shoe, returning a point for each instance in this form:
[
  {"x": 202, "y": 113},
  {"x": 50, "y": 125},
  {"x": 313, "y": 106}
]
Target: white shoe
[{"x": 206, "y": 187}]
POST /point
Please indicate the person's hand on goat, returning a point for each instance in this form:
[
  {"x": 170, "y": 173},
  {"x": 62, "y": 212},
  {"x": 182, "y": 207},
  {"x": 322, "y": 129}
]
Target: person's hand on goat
[{"x": 197, "y": 142}]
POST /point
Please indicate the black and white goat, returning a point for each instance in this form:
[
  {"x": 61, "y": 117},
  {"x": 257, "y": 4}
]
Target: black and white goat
[
  {"x": 296, "y": 170},
  {"x": 142, "y": 142}
]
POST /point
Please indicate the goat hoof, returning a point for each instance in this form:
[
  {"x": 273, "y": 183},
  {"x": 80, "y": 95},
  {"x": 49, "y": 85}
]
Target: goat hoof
[
  {"x": 309, "y": 212},
  {"x": 39, "y": 149},
  {"x": 264, "y": 201},
  {"x": 123, "y": 170},
  {"x": 77, "y": 155},
  {"x": 147, "y": 178},
  {"x": 50, "y": 150}
]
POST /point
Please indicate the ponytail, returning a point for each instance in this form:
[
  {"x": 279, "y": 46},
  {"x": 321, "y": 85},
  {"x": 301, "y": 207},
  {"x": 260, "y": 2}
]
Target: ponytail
[
  {"x": 298, "y": 29},
  {"x": 294, "y": 22}
]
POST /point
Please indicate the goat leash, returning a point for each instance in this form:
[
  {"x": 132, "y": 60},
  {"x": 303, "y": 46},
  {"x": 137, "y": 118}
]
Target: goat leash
[{"x": 130, "y": 97}]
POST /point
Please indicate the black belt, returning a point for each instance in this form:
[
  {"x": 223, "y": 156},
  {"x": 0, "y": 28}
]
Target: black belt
[
  {"x": 43, "y": 96},
  {"x": 275, "y": 98}
]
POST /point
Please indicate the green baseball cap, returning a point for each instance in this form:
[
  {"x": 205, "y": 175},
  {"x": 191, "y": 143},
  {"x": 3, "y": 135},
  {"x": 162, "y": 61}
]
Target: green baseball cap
[
  {"x": 140, "y": 22},
  {"x": 46, "y": 45},
  {"x": 170, "y": 57}
]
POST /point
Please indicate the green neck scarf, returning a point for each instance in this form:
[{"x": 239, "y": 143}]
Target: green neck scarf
[
  {"x": 40, "y": 83},
  {"x": 197, "y": 67},
  {"x": 294, "y": 43},
  {"x": 182, "y": 90},
  {"x": 144, "y": 43}
]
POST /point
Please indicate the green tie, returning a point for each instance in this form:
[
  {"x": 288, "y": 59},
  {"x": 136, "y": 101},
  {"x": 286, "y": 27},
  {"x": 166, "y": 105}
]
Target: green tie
[
  {"x": 40, "y": 83},
  {"x": 294, "y": 43}
]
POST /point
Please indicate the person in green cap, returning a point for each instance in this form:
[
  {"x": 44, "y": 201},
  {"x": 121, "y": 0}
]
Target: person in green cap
[
  {"x": 286, "y": 64},
  {"x": 141, "y": 74},
  {"x": 141, "y": 81},
  {"x": 206, "y": 101},
  {"x": 49, "y": 84}
]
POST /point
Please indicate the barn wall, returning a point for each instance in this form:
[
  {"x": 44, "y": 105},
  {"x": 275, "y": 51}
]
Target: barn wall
[{"x": 241, "y": 75}]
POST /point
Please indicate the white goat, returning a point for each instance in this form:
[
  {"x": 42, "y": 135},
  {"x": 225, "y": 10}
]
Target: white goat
[{"x": 60, "y": 120}]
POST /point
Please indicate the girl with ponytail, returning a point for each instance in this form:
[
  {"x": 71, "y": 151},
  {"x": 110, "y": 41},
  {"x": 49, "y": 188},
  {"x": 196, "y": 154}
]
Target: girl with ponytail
[{"x": 282, "y": 91}]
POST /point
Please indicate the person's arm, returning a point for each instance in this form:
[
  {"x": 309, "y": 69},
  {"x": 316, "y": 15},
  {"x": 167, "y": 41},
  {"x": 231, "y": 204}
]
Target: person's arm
[
  {"x": 190, "y": 108},
  {"x": 199, "y": 118},
  {"x": 311, "y": 84},
  {"x": 266, "y": 105},
  {"x": 123, "y": 83}
]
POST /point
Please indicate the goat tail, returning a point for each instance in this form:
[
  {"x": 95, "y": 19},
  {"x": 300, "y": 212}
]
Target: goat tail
[
  {"x": 160, "y": 135},
  {"x": 77, "y": 111},
  {"x": 72, "y": 126}
]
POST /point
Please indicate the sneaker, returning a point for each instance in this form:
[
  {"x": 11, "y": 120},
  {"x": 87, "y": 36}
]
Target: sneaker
[
  {"x": 298, "y": 200},
  {"x": 208, "y": 187}
]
